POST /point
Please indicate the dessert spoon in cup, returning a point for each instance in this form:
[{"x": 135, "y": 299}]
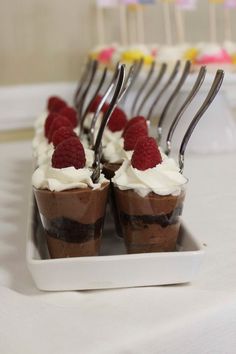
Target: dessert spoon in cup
[
  {"x": 142, "y": 88},
  {"x": 207, "y": 102},
  {"x": 153, "y": 87},
  {"x": 196, "y": 87},
  {"x": 173, "y": 95},
  {"x": 122, "y": 86},
  {"x": 98, "y": 88}
]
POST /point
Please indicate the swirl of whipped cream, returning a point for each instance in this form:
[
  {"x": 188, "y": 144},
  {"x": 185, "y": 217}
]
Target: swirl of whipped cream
[
  {"x": 163, "y": 179},
  {"x": 39, "y": 122},
  {"x": 55, "y": 179}
]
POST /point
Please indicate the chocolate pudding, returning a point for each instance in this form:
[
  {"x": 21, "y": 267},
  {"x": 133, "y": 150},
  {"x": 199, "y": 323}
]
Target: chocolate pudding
[
  {"x": 109, "y": 169},
  {"x": 151, "y": 223},
  {"x": 73, "y": 220}
]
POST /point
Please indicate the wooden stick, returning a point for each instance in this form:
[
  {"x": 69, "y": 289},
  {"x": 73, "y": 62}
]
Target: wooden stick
[
  {"x": 123, "y": 25},
  {"x": 140, "y": 24},
  {"x": 212, "y": 22},
  {"x": 100, "y": 25},
  {"x": 179, "y": 20},
  {"x": 227, "y": 25},
  {"x": 167, "y": 23}
]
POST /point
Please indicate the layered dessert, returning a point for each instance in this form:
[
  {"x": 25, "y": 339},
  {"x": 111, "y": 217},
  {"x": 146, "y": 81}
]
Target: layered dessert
[
  {"x": 71, "y": 206},
  {"x": 149, "y": 193}
]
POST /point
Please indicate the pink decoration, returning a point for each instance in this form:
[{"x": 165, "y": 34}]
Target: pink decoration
[
  {"x": 230, "y": 4},
  {"x": 105, "y": 55},
  {"x": 186, "y": 4},
  {"x": 220, "y": 58}
]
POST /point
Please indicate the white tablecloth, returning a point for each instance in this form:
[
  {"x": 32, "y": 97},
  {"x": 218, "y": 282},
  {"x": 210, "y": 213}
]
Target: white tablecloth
[{"x": 196, "y": 318}]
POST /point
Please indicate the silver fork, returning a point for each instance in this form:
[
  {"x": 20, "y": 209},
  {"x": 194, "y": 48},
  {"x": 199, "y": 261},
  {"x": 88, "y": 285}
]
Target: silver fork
[{"x": 207, "y": 102}]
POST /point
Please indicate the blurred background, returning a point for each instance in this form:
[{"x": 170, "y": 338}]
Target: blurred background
[{"x": 43, "y": 41}]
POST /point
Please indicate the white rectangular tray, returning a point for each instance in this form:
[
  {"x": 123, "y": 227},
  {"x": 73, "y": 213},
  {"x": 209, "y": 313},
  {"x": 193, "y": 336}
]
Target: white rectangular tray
[{"x": 113, "y": 268}]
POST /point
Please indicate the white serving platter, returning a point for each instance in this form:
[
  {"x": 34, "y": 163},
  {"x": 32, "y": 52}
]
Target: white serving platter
[{"x": 113, "y": 268}]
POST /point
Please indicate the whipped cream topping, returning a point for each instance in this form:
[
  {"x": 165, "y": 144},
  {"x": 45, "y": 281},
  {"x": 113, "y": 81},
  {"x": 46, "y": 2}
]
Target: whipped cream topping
[
  {"x": 114, "y": 151},
  {"x": 163, "y": 179},
  {"x": 55, "y": 179},
  {"x": 39, "y": 122}
]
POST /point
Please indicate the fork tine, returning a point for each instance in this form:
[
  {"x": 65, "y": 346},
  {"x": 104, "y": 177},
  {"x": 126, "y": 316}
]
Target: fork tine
[{"x": 207, "y": 102}]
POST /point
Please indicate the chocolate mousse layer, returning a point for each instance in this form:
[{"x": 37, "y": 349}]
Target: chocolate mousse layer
[
  {"x": 109, "y": 170},
  {"x": 73, "y": 220},
  {"x": 151, "y": 223}
]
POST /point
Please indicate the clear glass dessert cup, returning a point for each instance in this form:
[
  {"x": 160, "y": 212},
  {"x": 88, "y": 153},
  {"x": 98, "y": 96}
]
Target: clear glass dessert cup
[
  {"x": 73, "y": 220},
  {"x": 150, "y": 223}
]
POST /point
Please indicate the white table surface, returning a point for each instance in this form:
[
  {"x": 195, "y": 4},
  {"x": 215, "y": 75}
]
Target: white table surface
[{"x": 196, "y": 318}]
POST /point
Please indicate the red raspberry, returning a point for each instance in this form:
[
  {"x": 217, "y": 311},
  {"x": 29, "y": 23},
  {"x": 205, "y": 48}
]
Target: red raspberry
[
  {"x": 95, "y": 103},
  {"x": 57, "y": 123},
  {"x": 55, "y": 104},
  {"x": 146, "y": 154},
  {"x": 134, "y": 120},
  {"x": 62, "y": 134},
  {"x": 69, "y": 113},
  {"x": 49, "y": 121},
  {"x": 132, "y": 135},
  {"x": 117, "y": 120},
  {"x": 69, "y": 152}
]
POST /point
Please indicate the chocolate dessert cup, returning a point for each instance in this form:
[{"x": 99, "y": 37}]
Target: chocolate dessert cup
[
  {"x": 151, "y": 223},
  {"x": 73, "y": 220}
]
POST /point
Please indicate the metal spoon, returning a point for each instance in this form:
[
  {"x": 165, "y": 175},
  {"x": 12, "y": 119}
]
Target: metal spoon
[
  {"x": 143, "y": 86},
  {"x": 103, "y": 100},
  {"x": 82, "y": 81},
  {"x": 198, "y": 83},
  {"x": 87, "y": 88},
  {"x": 178, "y": 87},
  {"x": 167, "y": 84},
  {"x": 210, "y": 97},
  {"x": 97, "y": 147},
  {"x": 136, "y": 69},
  {"x": 153, "y": 87},
  {"x": 82, "y": 119}
]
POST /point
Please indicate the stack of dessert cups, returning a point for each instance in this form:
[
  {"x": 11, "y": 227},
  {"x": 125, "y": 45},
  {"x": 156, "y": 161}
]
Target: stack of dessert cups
[{"x": 70, "y": 193}]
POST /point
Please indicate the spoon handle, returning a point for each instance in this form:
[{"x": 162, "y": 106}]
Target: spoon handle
[
  {"x": 153, "y": 87},
  {"x": 101, "y": 82},
  {"x": 82, "y": 81},
  {"x": 167, "y": 84},
  {"x": 87, "y": 88},
  {"x": 210, "y": 97},
  {"x": 142, "y": 87},
  {"x": 101, "y": 104},
  {"x": 135, "y": 69},
  {"x": 178, "y": 87},
  {"x": 198, "y": 83},
  {"x": 114, "y": 101}
]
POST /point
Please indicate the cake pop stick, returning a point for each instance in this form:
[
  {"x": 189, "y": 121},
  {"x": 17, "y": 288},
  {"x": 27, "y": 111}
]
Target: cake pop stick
[
  {"x": 123, "y": 25},
  {"x": 140, "y": 24},
  {"x": 228, "y": 5},
  {"x": 167, "y": 22},
  {"x": 100, "y": 25},
  {"x": 179, "y": 20}
]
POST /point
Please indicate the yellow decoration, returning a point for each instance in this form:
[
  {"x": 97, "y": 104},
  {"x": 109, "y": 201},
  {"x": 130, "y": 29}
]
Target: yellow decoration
[
  {"x": 132, "y": 55},
  {"x": 93, "y": 55},
  {"x": 233, "y": 57},
  {"x": 134, "y": 7},
  {"x": 216, "y": 1},
  {"x": 191, "y": 54}
]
